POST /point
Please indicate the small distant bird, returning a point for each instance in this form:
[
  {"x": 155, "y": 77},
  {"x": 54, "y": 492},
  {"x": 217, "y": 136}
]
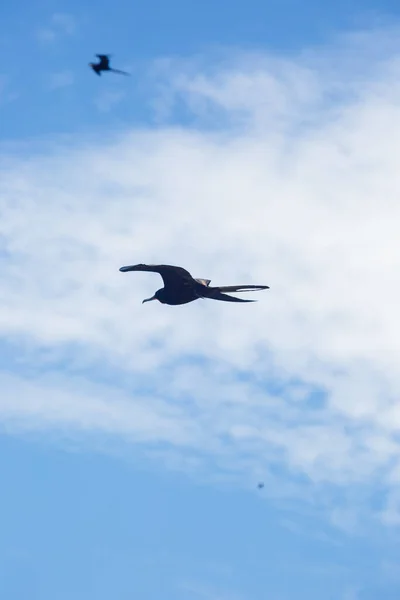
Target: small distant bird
[
  {"x": 104, "y": 65},
  {"x": 260, "y": 485},
  {"x": 180, "y": 287}
]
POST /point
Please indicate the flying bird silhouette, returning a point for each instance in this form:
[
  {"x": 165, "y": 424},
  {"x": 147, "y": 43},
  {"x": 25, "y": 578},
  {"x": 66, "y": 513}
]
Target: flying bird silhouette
[
  {"x": 180, "y": 287},
  {"x": 104, "y": 65}
]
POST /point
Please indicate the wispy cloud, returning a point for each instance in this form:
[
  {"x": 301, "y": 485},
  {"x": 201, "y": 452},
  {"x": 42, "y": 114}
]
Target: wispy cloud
[
  {"x": 61, "y": 24},
  {"x": 109, "y": 99},
  {"x": 200, "y": 591},
  {"x": 6, "y": 95},
  {"x": 61, "y": 80},
  {"x": 64, "y": 22},
  {"x": 297, "y": 191},
  {"x": 351, "y": 593},
  {"x": 60, "y": 403}
]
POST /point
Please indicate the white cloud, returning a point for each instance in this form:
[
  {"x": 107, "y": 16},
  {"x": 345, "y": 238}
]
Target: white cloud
[
  {"x": 59, "y": 403},
  {"x": 297, "y": 190}
]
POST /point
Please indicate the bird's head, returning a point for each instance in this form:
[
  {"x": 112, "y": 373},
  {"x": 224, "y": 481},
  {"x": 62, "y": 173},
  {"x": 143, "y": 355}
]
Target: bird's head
[{"x": 157, "y": 296}]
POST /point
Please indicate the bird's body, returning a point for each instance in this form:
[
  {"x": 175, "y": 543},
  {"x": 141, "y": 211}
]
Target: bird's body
[
  {"x": 180, "y": 287},
  {"x": 104, "y": 65}
]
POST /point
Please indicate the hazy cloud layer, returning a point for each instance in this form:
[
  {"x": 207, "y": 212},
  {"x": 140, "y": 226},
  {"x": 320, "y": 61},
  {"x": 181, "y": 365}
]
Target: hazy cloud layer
[{"x": 287, "y": 176}]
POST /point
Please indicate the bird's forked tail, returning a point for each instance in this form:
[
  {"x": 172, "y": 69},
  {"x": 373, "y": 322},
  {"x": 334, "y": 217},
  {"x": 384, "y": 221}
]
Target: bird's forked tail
[
  {"x": 118, "y": 71},
  {"x": 217, "y": 292}
]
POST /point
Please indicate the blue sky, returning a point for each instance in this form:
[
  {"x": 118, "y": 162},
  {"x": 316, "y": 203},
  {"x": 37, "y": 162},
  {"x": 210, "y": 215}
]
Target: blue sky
[
  {"x": 81, "y": 524},
  {"x": 253, "y": 143}
]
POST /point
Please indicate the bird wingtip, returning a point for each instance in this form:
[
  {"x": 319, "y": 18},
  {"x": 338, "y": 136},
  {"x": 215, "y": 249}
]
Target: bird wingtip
[{"x": 131, "y": 268}]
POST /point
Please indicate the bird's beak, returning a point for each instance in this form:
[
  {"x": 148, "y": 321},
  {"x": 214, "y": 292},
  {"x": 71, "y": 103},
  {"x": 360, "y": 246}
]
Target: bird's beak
[
  {"x": 125, "y": 269},
  {"x": 149, "y": 299}
]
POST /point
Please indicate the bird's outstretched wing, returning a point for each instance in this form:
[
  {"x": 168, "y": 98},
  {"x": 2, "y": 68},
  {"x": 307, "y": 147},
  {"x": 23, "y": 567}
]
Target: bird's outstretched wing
[
  {"x": 104, "y": 59},
  {"x": 171, "y": 275}
]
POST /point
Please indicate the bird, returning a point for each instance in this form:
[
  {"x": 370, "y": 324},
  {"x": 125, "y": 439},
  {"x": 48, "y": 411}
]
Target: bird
[
  {"x": 260, "y": 485},
  {"x": 180, "y": 287},
  {"x": 104, "y": 65}
]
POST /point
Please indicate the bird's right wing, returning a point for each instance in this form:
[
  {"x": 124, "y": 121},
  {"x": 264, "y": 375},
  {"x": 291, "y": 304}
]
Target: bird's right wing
[{"x": 171, "y": 275}]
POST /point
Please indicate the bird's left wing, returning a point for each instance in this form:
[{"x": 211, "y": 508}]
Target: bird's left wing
[{"x": 171, "y": 275}]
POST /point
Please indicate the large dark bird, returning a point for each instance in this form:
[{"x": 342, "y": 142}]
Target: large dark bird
[
  {"x": 181, "y": 288},
  {"x": 104, "y": 65}
]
